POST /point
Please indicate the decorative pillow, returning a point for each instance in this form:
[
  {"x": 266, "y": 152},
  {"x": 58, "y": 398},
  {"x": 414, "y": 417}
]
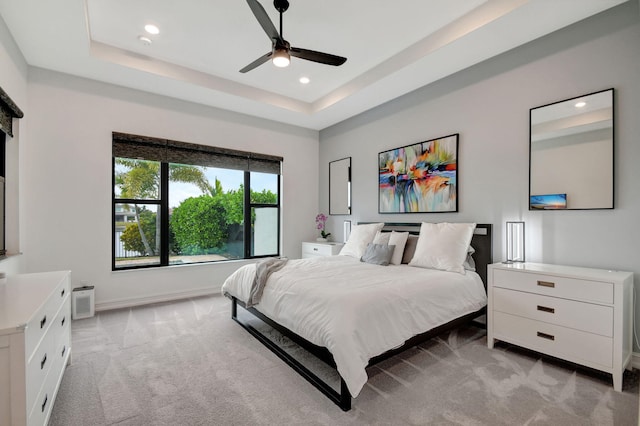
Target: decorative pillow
[
  {"x": 378, "y": 254},
  {"x": 382, "y": 238},
  {"x": 409, "y": 249},
  {"x": 360, "y": 236},
  {"x": 443, "y": 246},
  {"x": 398, "y": 239}
]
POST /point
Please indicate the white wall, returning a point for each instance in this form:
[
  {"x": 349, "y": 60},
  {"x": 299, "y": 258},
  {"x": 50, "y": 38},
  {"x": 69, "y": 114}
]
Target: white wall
[
  {"x": 13, "y": 80},
  {"x": 488, "y": 105},
  {"x": 68, "y": 180}
]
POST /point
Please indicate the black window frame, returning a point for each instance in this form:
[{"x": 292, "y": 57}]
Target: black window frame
[
  {"x": 152, "y": 147},
  {"x": 3, "y": 208},
  {"x": 8, "y": 111}
]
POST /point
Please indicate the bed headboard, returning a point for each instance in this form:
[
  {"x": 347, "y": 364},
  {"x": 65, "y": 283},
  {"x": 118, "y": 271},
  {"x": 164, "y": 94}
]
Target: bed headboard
[{"x": 482, "y": 242}]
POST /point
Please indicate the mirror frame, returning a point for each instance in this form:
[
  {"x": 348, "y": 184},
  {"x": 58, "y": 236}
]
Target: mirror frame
[
  {"x": 609, "y": 203},
  {"x": 337, "y": 176}
]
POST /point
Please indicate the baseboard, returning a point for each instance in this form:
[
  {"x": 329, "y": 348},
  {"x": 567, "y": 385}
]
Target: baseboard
[
  {"x": 635, "y": 360},
  {"x": 167, "y": 297}
]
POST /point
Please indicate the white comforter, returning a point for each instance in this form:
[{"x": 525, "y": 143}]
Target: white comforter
[{"x": 358, "y": 310}]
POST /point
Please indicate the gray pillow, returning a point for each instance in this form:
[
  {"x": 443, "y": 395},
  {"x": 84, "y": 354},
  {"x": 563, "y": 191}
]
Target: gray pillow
[
  {"x": 409, "y": 248},
  {"x": 378, "y": 254}
]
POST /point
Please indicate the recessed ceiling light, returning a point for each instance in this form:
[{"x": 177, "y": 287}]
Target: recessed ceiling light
[
  {"x": 304, "y": 80},
  {"x": 580, "y": 104},
  {"x": 145, "y": 40},
  {"x": 152, "y": 29}
]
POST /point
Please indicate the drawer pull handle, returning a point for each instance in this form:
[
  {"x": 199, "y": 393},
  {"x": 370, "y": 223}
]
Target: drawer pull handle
[
  {"x": 546, "y": 336},
  {"x": 64, "y": 349},
  {"x": 65, "y": 318},
  {"x": 545, "y": 309},
  {"x": 43, "y": 362},
  {"x": 43, "y": 321},
  {"x": 315, "y": 249},
  {"x": 44, "y": 404},
  {"x": 62, "y": 293},
  {"x": 546, "y": 284}
]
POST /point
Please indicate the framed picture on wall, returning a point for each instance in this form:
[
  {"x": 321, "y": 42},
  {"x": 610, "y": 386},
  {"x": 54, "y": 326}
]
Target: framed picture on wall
[{"x": 419, "y": 178}]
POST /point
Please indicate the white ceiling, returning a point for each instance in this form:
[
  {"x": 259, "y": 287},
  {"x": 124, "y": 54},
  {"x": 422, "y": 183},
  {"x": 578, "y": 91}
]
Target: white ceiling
[{"x": 392, "y": 47}]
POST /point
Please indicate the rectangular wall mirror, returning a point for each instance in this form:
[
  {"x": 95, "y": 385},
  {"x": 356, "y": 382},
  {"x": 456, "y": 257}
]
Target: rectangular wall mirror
[
  {"x": 571, "y": 153},
  {"x": 340, "y": 186}
]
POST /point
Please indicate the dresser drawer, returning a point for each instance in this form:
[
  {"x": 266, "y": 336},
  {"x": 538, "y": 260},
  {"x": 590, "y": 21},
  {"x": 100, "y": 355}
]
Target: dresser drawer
[
  {"x": 42, "y": 319},
  {"x": 41, "y": 408},
  {"x": 63, "y": 331},
  {"x": 46, "y": 354},
  {"x": 556, "y": 286},
  {"x": 583, "y": 316},
  {"x": 39, "y": 365},
  {"x": 562, "y": 342}
]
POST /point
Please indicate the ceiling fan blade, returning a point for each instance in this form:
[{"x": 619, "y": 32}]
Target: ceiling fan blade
[
  {"x": 263, "y": 20},
  {"x": 261, "y": 60},
  {"x": 312, "y": 55}
]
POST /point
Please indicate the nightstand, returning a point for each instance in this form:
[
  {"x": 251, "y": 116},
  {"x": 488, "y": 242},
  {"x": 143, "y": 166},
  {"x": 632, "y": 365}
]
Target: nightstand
[
  {"x": 316, "y": 249},
  {"x": 581, "y": 315}
]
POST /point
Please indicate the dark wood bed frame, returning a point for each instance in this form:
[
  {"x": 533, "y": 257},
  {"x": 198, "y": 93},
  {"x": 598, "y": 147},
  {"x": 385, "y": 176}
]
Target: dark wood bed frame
[{"x": 481, "y": 242}]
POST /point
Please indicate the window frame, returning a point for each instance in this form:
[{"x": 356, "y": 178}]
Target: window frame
[
  {"x": 3, "y": 204},
  {"x": 162, "y": 204}
]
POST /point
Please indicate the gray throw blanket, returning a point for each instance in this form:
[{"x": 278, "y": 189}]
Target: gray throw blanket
[{"x": 264, "y": 269}]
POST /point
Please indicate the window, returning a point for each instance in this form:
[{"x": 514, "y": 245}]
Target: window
[
  {"x": 8, "y": 111},
  {"x": 3, "y": 162},
  {"x": 178, "y": 203}
]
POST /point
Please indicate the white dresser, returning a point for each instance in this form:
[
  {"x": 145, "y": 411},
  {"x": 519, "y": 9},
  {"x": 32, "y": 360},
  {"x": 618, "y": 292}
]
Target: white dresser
[
  {"x": 35, "y": 338},
  {"x": 581, "y": 315},
  {"x": 315, "y": 249}
]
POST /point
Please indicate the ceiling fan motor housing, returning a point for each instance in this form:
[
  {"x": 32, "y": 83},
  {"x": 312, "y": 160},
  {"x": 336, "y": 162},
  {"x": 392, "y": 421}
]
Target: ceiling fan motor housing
[{"x": 281, "y": 5}]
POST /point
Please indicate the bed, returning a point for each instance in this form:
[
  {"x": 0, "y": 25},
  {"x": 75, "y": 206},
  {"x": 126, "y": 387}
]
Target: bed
[{"x": 352, "y": 314}]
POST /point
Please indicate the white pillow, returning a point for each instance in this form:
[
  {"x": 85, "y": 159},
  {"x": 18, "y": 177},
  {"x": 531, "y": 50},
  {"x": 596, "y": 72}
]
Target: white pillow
[
  {"x": 443, "y": 246},
  {"x": 361, "y": 236},
  {"x": 393, "y": 238},
  {"x": 382, "y": 238},
  {"x": 398, "y": 239}
]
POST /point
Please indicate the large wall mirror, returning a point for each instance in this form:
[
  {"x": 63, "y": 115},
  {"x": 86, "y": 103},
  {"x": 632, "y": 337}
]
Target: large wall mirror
[
  {"x": 571, "y": 154},
  {"x": 340, "y": 186}
]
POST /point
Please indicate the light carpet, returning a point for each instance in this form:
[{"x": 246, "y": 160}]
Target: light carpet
[{"x": 188, "y": 363}]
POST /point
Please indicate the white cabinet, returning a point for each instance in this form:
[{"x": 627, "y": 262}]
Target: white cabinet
[
  {"x": 315, "y": 249},
  {"x": 35, "y": 339},
  {"x": 581, "y": 315}
]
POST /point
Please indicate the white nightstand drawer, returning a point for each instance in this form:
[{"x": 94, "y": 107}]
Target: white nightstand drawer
[
  {"x": 310, "y": 249},
  {"x": 556, "y": 286},
  {"x": 562, "y": 342},
  {"x": 583, "y": 316}
]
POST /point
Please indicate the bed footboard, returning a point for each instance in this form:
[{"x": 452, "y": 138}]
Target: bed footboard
[{"x": 342, "y": 398}]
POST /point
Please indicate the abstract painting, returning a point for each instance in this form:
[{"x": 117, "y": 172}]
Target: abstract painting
[{"x": 419, "y": 178}]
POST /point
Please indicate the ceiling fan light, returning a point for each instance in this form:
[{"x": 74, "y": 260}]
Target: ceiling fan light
[{"x": 281, "y": 58}]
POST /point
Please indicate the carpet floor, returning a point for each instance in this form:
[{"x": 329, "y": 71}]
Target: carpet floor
[{"x": 188, "y": 363}]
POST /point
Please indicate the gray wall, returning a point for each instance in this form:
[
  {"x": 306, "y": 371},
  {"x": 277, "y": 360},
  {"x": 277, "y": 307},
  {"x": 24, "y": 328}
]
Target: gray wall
[
  {"x": 68, "y": 208},
  {"x": 488, "y": 104}
]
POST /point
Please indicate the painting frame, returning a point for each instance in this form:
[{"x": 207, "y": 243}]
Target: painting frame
[{"x": 419, "y": 178}]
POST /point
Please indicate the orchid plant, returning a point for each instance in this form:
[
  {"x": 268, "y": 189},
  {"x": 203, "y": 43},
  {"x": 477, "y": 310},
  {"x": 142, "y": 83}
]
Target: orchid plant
[{"x": 321, "y": 220}]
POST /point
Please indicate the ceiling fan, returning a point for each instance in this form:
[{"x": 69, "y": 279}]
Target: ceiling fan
[{"x": 281, "y": 50}]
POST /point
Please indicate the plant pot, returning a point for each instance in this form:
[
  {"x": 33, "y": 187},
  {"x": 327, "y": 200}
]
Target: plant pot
[{"x": 321, "y": 240}]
